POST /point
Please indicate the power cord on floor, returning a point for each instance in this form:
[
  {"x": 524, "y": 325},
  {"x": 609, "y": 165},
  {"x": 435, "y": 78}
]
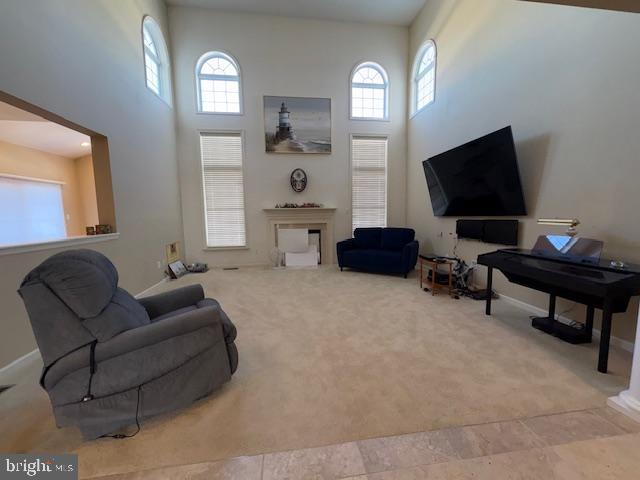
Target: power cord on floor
[{"x": 120, "y": 436}]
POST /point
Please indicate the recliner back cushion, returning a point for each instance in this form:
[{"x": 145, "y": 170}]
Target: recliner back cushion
[
  {"x": 123, "y": 313},
  {"x": 397, "y": 238},
  {"x": 83, "y": 279},
  {"x": 369, "y": 238}
]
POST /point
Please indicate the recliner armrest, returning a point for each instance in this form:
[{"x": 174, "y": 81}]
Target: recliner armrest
[
  {"x": 157, "y": 305},
  {"x": 136, "y": 339},
  {"x": 153, "y": 333}
]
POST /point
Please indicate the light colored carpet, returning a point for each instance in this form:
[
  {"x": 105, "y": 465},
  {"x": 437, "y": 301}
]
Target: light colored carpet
[{"x": 329, "y": 357}]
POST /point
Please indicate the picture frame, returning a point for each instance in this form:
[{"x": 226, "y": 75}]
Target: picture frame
[
  {"x": 177, "y": 269},
  {"x": 297, "y": 125}
]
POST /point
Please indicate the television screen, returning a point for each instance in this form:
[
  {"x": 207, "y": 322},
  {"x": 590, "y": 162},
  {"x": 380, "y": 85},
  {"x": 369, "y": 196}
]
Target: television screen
[{"x": 478, "y": 178}]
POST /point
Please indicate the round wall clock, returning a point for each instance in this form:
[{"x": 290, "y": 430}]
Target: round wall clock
[{"x": 298, "y": 180}]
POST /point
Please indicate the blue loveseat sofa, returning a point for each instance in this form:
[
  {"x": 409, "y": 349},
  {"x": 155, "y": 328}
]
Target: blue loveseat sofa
[{"x": 383, "y": 250}]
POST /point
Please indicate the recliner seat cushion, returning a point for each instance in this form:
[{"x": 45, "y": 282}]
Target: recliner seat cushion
[
  {"x": 367, "y": 238},
  {"x": 397, "y": 238}
]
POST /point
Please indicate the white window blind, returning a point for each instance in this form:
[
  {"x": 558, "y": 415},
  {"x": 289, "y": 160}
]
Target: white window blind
[
  {"x": 223, "y": 189},
  {"x": 369, "y": 181},
  {"x": 30, "y": 211}
]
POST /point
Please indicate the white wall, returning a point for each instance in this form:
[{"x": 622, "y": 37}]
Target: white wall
[
  {"x": 289, "y": 57},
  {"x": 83, "y": 60},
  {"x": 567, "y": 79}
]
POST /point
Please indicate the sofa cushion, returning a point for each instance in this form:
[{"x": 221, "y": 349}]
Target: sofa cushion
[
  {"x": 397, "y": 238},
  {"x": 374, "y": 260},
  {"x": 367, "y": 237}
]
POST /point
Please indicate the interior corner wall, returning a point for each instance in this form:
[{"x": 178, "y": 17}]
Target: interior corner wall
[
  {"x": 284, "y": 57},
  {"x": 566, "y": 79},
  {"x": 87, "y": 190},
  {"x": 83, "y": 61}
]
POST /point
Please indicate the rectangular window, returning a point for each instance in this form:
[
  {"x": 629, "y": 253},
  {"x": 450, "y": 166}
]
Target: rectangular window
[
  {"x": 31, "y": 211},
  {"x": 223, "y": 189},
  {"x": 369, "y": 181}
]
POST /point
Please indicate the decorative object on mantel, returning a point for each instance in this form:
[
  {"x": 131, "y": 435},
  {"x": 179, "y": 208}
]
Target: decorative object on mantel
[
  {"x": 298, "y": 180},
  {"x": 103, "y": 229},
  {"x": 297, "y": 125},
  {"x": 298, "y": 205},
  {"x": 91, "y": 230}
]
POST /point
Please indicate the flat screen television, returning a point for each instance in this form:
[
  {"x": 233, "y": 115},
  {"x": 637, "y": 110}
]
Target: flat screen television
[{"x": 479, "y": 178}]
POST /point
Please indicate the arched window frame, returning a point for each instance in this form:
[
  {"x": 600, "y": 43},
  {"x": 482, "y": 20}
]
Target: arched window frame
[
  {"x": 159, "y": 55},
  {"x": 199, "y": 76},
  {"x": 416, "y": 75},
  {"x": 385, "y": 86}
]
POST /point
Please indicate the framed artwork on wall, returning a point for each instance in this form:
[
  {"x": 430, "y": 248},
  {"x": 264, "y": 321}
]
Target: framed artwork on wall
[{"x": 297, "y": 124}]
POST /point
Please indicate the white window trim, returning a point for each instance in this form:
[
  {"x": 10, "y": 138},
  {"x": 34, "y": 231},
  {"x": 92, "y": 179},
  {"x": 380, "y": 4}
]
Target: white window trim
[
  {"x": 202, "y": 192},
  {"x": 386, "y": 86},
  {"x": 31, "y": 179},
  {"x": 414, "y": 80},
  {"x": 369, "y": 135},
  {"x": 203, "y": 59},
  {"x": 162, "y": 58}
]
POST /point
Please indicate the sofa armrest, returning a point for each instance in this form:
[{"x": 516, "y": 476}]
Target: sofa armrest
[
  {"x": 135, "y": 339},
  {"x": 410, "y": 256},
  {"x": 167, "y": 302},
  {"x": 343, "y": 246}
]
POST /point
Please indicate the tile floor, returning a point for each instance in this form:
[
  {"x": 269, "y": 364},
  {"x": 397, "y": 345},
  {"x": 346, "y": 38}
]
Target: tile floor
[{"x": 590, "y": 444}]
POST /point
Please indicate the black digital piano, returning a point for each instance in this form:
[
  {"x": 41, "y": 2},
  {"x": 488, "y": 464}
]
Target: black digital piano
[{"x": 596, "y": 284}]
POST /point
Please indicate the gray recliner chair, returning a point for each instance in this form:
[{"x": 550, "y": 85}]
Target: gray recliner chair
[{"x": 111, "y": 360}]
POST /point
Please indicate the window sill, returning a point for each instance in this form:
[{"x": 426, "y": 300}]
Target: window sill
[
  {"x": 53, "y": 244},
  {"x": 237, "y": 114},
  {"x": 369, "y": 119},
  {"x": 218, "y": 249}
]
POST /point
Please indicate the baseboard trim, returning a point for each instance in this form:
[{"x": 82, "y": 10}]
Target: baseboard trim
[
  {"x": 18, "y": 361},
  {"x": 148, "y": 290},
  {"x": 27, "y": 356},
  {"x": 618, "y": 342}
]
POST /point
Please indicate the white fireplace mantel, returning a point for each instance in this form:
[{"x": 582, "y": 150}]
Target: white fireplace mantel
[{"x": 317, "y": 218}]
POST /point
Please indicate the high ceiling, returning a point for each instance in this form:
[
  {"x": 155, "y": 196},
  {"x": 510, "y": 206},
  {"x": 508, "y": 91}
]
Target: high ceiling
[
  {"x": 390, "y": 12},
  {"x": 29, "y": 130}
]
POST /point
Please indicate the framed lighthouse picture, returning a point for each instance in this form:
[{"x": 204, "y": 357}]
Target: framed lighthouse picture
[{"x": 297, "y": 125}]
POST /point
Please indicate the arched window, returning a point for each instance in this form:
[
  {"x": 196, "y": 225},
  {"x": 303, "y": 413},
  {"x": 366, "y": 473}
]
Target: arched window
[
  {"x": 218, "y": 78},
  {"x": 369, "y": 92},
  {"x": 424, "y": 77},
  {"x": 156, "y": 59}
]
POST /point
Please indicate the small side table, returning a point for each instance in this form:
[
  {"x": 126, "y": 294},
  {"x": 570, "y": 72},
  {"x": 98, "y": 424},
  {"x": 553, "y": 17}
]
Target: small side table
[{"x": 435, "y": 266}]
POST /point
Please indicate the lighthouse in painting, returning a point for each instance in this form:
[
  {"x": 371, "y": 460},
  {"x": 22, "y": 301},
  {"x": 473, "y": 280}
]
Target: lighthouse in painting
[{"x": 284, "y": 124}]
